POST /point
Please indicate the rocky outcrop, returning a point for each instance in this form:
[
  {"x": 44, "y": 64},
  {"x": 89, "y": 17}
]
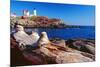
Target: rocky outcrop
[
  {"x": 23, "y": 38},
  {"x": 58, "y": 42},
  {"x": 37, "y": 21},
  {"x": 64, "y": 55},
  {"x": 52, "y": 51},
  {"x": 43, "y": 40},
  {"x": 82, "y": 45}
]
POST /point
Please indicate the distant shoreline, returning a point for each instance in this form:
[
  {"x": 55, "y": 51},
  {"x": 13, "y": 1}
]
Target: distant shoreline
[
  {"x": 41, "y": 22},
  {"x": 68, "y": 26}
]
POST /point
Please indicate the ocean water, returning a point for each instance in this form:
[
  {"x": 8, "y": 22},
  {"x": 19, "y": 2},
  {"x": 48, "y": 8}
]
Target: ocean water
[{"x": 85, "y": 32}]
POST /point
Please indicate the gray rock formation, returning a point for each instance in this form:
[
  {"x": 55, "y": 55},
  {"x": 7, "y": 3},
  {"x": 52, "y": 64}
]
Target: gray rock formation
[
  {"x": 82, "y": 45},
  {"x": 43, "y": 40},
  {"x": 90, "y": 48},
  {"x": 23, "y": 38}
]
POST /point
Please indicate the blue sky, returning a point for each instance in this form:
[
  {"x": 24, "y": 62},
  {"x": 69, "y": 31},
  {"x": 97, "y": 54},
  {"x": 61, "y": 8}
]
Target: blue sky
[{"x": 71, "y": 14}]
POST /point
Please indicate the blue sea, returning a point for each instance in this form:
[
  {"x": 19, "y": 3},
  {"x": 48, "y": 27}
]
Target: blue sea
[{"x": 84, "y": 32}]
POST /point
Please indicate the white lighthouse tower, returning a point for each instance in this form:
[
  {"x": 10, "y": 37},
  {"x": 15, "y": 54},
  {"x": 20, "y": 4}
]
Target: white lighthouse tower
[{"x": 34, "y": 12}]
